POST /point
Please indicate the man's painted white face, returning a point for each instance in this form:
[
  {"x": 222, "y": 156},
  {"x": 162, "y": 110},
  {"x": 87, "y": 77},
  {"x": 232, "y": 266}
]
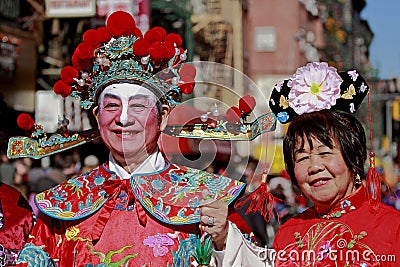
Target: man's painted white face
[
  {"x": 127, "y": 92},
  {"x": 129, "y": 121}
]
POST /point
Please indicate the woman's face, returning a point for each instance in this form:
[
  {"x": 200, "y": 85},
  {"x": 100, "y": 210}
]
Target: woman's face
[
  {"x": 129, "y": 122},
  {"x": 322, "y": 174}
]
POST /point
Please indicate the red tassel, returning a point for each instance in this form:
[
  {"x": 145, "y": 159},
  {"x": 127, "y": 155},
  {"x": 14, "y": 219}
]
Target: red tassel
[
  {"x": 261, "y": 200},
  {"x": 373, "y": 181}
]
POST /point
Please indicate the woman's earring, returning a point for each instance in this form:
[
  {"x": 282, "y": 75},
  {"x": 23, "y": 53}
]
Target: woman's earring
[{"x": 357, "y": 180}]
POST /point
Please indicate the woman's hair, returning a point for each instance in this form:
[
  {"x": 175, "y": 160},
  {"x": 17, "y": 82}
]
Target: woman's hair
[{"x": 331, "y": 128}]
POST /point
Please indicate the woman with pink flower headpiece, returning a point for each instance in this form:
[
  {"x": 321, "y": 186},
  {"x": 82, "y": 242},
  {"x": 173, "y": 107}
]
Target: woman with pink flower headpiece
[{"x": 325, "y": 153}]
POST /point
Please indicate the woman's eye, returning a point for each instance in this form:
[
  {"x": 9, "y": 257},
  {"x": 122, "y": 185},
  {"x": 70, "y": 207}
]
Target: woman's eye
[
  {"x": 325, "y": 153},
  {"x": 301, "y": 158}
]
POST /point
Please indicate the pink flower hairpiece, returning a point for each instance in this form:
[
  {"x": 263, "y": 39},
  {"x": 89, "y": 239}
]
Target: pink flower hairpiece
[{"x": 314, "y": 87}]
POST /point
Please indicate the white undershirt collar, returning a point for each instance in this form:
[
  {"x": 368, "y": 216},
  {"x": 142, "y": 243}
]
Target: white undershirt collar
[{"x": 153, "y": 163}]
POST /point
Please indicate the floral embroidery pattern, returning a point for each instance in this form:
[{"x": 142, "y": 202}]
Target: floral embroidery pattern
[
  {"x": 171, "y": 195},
  {"x": 72, "y": 234},
  {"x": 35, "y": 256},
  {"x": 314, "y": 87},
  {"x": 344, "y": 207},
  {"x": 327, "y": 244},
  {"x": 182, "y": 256},
  {"x": 159, "y": 243}
]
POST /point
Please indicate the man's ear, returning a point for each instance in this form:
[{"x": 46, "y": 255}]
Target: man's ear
[
  {"x": 95, "y": 112},
  {"x": 165, "y": 110}
]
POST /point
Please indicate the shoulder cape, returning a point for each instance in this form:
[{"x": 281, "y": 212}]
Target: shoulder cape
[{"x": 172, "y": 195}]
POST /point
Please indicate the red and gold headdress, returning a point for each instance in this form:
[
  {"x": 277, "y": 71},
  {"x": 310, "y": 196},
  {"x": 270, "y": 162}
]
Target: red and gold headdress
[{"x": 119, "y": 51}]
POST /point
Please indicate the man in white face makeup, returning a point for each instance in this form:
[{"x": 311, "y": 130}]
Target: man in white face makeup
[
  {"x": 136, "y": 209},
  {"x": 130, "y": 120}
]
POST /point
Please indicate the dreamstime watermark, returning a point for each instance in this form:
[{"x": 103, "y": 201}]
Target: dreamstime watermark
[{"x": 339, "y": 253}]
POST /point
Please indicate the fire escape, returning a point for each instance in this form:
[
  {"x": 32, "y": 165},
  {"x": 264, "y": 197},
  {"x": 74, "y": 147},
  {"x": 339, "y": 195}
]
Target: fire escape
[{"x": 214, "y": 43}]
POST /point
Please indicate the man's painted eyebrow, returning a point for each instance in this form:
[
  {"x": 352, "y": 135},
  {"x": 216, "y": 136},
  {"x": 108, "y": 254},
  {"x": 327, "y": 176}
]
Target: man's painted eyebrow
[
  {"x": 138, "y": 96},
  {"x": 108, "y": 95}
]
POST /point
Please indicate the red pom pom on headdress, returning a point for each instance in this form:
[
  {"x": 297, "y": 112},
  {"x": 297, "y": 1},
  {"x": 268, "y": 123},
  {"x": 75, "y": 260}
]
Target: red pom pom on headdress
[
  {"x": 82, "y": 57},
  {"x": 187, "y": 84},
  {"x": 103, "y": 35},
  {"x": 137, "y": 32},
  {"x": 84, "y": 51},
  {"x": 156, "y": 51},
  {"x": 68, "y": 73},
  {"x": 233, "y": 114},
  {"x": 61, "y": 88},
  {"x": 25, "y": 121},
  {"x": 247, "y": 103},
  {"x": 80, "y": 64},
  {"x": 91, "y": 37},
  {"x": 120, "y": 23},
  {"x": 174, "y": 38},
  {"x": 141, "y": 47},
  {"x": 169, "y": 50},
  {"x": 156, "y": 34},
  {"x": 187, "y": 70}
]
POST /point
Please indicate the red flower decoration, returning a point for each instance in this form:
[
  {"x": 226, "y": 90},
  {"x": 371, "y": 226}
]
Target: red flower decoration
[
  {"x": 141, "y": 47},
  {"x": 233, "y": 114},
  {"x": 25, "y": 121},
  {"x": 187, "y": 84},
  {"x": 247, "y": 103},
  {"x": 61, "y": 88},
  {"x": 174, "y": 38},
  {"x": 187, "y": 70},
  {"x": 120, "y": 23},
  {"x": 68, "y": 73}
]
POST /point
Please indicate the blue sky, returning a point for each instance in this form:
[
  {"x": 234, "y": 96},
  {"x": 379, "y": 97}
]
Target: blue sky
[{"x": 383, "y": 17}]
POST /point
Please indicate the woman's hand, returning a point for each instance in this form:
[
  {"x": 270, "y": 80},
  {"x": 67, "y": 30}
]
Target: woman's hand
[{"x": 214, "y": 221}]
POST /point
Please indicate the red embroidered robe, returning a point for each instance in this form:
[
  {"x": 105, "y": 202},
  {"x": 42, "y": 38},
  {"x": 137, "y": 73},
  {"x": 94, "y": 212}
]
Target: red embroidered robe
[
  {"x": 16, "y": 221},
  {"x": 351, "y": 234},
  {"x": 98, "y": 220}
]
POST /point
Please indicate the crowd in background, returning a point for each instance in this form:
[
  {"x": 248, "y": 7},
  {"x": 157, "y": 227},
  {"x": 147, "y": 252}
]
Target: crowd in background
[{"x": 32, "y": 176}]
